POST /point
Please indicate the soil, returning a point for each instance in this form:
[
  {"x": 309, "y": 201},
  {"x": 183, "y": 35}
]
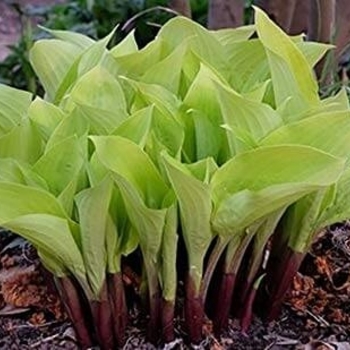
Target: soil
[{"x": 316, "y": 314}]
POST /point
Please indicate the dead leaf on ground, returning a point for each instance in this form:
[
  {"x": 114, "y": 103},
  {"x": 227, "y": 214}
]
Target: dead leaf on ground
[{"x": 322, "y": 345}]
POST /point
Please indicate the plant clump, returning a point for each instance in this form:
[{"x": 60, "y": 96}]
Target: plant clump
[{"x": 187, "y": 159}]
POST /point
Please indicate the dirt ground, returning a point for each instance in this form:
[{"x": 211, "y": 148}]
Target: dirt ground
[{"x": 10, "y": 21}]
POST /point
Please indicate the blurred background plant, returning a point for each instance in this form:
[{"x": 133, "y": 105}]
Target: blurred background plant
[{"x": 15, "y": 69}]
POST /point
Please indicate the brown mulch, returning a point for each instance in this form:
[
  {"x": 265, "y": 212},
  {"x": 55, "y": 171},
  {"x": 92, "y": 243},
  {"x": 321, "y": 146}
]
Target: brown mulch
[
  {"x": 31, "y": 314},
  {"x": 321, "y": 291}
]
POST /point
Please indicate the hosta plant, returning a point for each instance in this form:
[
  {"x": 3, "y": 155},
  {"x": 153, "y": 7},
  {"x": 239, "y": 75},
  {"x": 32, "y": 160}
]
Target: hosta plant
[{"x": 173, "y": 159}]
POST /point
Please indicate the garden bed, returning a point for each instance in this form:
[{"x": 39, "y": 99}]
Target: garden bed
[{"x": 316, "y": 314}]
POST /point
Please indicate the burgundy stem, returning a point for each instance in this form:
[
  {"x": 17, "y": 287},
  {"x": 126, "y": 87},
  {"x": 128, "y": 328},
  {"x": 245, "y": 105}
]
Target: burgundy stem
[
  {"x": 280, "y": 274},
  {"x": 194, "y": 311},
  {"x": 223, "y": 302},
  {"x": 168, "y": 308},
  {"x": 75, "y": 310},
  {"x": 153, "y": 327},
  {"x": 119, "y": 307},
  {"x": 102, "y": 315},
  {"x": 242, "y": 296},
  {"x": 247, "y": 310}
]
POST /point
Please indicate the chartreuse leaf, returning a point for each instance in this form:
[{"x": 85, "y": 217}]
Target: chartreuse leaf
[
  {"x": 298, "y": 38},
  {"x": 75, "y": 38},
  {"x": 203, "y": 170},
  {"x": 147, "y": 94},
  {"x": 248, "y": 65},
  {"x": 123, "y": 156},
  {"x": 94, "y": 54},
  {"x": 310, "y": 214},
  {"x": 75, "y": 124},
  {"x": 14, "y": 105},
  {"x": 338, "y": 102},
  {"x": 299, "y": 224},
  {"x": 51, "y": 235},
  {"x": 127, "y": 46},
  {"x": 247, "y": 120},
  {"x": 339, "y": 208},
  {"x": 60, "y": 164},
  {"x": 96, "y": 170},
  {"x": 189, "y": 71},
  {"x": 22, "y": 142},
  {"x": 195, "y": 208},
  {"x": 11, "y": 171},
  {"x": 101, "y": 121},
  {"x": 169, "y": 254},
  {"x": 19, "y": 200},
  {"x": 165, "y": 124},
  {"x": 337, "y": 105},
  {"x": 229, "y": 35},
  {"x": 167, "y": 72},
  {"x": 46, "y": 116},
  {"x": 258, "y": 93},
  {"x": 137, "y": 127},
  {"x": 291, "y": 73},
  {"x": 69, "y": 136},
  {"x": 82, "y": 63},
  {"x": 128, "y": 239},
  {"x": 204, "y": 43},
  {"x": 143, "y": 194},
  {"x": 150, "y": 225},
  {"x": 121, "y": 237},
  {"x": 148, "y": 222},
  {"x": 154, "y": 148},
  {"x": 137, "y": 63},
  {"x": 107, "y": 93},
  {"x": 286, "y": 173},
  {"x": 329, "y": 132},
  {"x": 247, "y": 59},
  {"x": 51, "y": 60},
  {"x": 93, "y": 204},
  {"x": 312, "y": 51},
  {"x": 113, "y": 259},
  {"x": 208, "y": 136},
  {"x": 21, "y": 173},
  {"x": 169, "y": 132},
  {"x": 201, "y": 96},
  {"x": 66, "y": 197},
  {"x": 51, "y": 264}
]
